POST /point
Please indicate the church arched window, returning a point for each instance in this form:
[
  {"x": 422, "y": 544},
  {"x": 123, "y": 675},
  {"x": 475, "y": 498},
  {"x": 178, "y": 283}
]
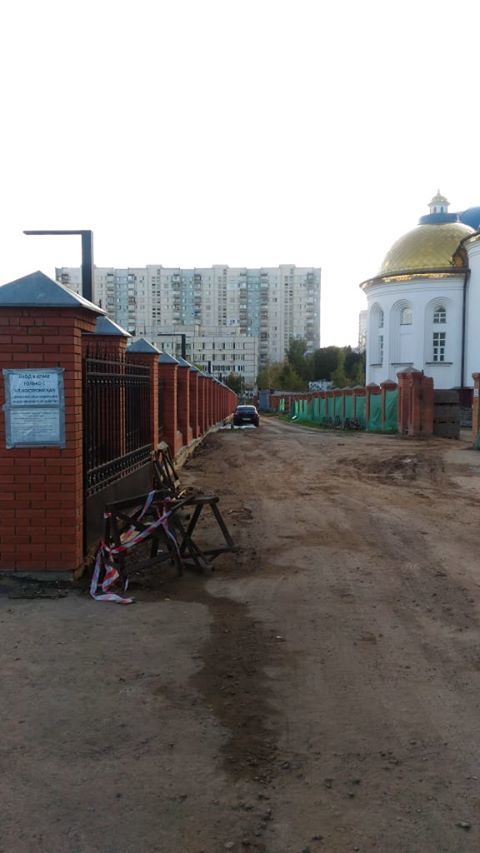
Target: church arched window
[
  {"x": 406, "y": 317},
  {"x": 440, "y": 314},
  {"x": 380, "y": 319}
]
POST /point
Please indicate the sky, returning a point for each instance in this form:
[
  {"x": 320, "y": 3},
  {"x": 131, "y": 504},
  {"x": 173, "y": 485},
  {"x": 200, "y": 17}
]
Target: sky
[{"x": 240, "y": 132}]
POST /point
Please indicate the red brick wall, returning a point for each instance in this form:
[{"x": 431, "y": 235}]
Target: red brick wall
[
  {"x": 150, "y": 360},
  {"x": 168, "y": 376},
  {"x": 41, "y": 500},
  {"x": 183, "y": 404},
  {"x": 194, "y": 379}
]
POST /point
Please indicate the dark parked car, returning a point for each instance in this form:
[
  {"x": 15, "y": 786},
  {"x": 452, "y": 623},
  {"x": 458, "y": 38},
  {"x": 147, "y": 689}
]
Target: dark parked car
[{"x": 246, "y": 415}]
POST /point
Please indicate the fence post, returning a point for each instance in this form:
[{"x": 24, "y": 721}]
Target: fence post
[
  {"x": 415, "y": 402},
  {"x": 167, "y": 371},
  {"x": 194, "y": 380},
  {"x": 108, "y": 339},
  {"x": 143, "y": 352},
  {"x": 202, "y": 411},
  {"x": 41, "y": 500},
  {"x": 183, "y": 404}
]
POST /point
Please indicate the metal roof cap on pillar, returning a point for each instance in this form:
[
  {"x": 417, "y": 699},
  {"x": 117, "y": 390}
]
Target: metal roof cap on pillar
[
  {"x": 166, "y": 358},
  {"x": 184, "y": 363},
  {"x": 143, "y": 346},
  {"x": 105, "y": 326},
  {"x": 37, "y": 290}
]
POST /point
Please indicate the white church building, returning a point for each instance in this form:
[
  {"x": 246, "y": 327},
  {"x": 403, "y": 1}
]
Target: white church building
[{"x": 424, "y": 303}]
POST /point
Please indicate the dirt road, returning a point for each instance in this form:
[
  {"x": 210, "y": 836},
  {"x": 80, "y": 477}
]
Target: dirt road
[{"x": 319, "y": 692}]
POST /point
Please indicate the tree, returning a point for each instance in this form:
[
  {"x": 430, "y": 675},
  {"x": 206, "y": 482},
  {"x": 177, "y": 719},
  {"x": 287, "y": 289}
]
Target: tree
[
  {"x": 290, "y": 380},
  {"x": 298, "y": 359},
  {"x": 268, "y": 376},
  {"x": 339, "y": 376},
  {"x": 235, "y": 382},
  {"x": 324, "y": 362},
  {"x": 282, "y": 376}
]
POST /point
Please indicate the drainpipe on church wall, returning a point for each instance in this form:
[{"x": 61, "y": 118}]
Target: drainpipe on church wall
[{"x": 464, "y": 321}]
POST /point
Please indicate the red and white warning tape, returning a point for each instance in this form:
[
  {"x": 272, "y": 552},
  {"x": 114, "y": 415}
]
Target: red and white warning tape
[{"x": 131, "y": 537}]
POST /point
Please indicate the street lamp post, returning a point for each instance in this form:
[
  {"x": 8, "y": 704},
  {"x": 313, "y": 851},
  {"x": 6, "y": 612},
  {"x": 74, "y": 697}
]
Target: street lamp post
[{"x": 87, "y": 257}]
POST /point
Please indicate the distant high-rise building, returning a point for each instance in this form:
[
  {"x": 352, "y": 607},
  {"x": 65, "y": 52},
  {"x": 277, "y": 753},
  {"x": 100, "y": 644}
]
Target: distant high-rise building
[
  {"x": 272, "y": 304},
  {"x": 362, "y": 330},
  {"x": 219, "y": 350}
]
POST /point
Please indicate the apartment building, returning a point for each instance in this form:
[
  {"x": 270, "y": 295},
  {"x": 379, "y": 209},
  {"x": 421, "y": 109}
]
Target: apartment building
[
  {"x": 362, "y": 330},
  {"x": 269, "y": 303},
  {"x": 220, "y": 350}
]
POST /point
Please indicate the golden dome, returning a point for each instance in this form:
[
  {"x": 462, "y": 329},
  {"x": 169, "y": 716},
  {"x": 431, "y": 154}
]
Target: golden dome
[{"x": 425, "y": 248}]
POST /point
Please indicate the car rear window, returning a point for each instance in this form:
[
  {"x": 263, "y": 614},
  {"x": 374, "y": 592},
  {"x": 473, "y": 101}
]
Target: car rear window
[{"x": 247, "y": 409}]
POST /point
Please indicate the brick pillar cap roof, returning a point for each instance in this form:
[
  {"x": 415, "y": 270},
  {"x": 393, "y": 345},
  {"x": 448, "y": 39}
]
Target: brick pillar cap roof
[
  {"x": 37, "y": 290},
  {"x": 166, "y": 358},
  {"x": 143, "y": 346},
  {"x": 105, "y": 326},
  {"x": 184, "y": 363}
]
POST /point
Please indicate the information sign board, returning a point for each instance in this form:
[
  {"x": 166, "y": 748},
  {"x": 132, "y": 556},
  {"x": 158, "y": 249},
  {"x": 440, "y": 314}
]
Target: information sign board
[{"x": 34, "y": 407}]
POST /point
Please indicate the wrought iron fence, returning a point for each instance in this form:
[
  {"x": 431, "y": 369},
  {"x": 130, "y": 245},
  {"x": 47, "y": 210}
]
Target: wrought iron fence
[
  {"x": 116, "y": 420},
  {"x": 161, "y": 409}
]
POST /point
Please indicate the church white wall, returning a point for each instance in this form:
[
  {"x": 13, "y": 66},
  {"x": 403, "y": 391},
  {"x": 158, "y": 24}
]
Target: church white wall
[
  {"x": 412, "y": 345},
  {"x": 472, "y": 355}
]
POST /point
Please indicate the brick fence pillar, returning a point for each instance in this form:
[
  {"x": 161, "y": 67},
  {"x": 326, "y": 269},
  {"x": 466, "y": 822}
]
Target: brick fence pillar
[
  {"x": 41, "y": 500},
  {"x": 216, "y": 410},
  {"x": 211, "y": 402},
  {"x": 108, "y": 339},
  {"x": 167, "y": 374},
  {"x": 183, "y": 385},
  {"x": 415, "y": 403},
  {"x": 143, "y": 352},
  {"x": 194, "y": 380},
  {"x": 202, "y": 413}
]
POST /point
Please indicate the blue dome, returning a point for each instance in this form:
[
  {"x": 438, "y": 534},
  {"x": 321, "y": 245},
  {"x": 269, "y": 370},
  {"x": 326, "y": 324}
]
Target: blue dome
[
  {"x": 471, "y": 217},
  {"x": 437, "y": 218}
]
